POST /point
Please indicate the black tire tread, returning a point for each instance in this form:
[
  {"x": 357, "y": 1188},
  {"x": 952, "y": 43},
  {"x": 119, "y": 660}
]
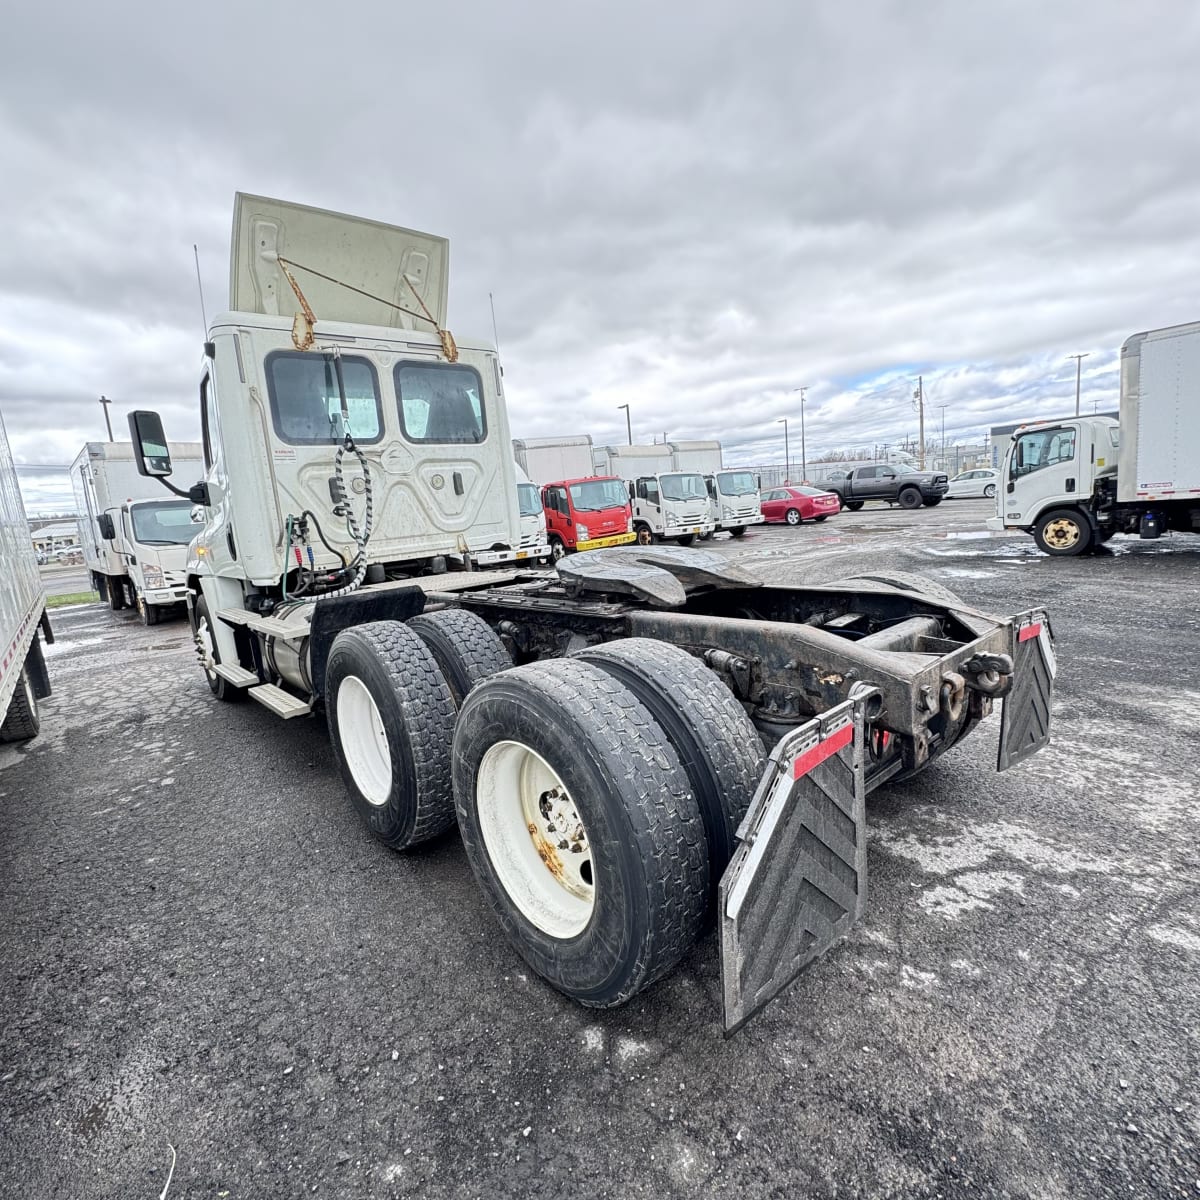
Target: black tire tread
[
  {"x": 22, "y": 721},
  {"x": 428, "y": 713},
  {"x": 465, "y": 646},
  {"x": 666, "y": 822},
  {"x": 716, "y": 741}
]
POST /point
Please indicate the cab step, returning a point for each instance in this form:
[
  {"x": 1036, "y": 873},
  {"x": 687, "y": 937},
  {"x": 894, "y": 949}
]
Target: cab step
[
  {"x": 288, "y": 631},
  {"x": 282, "y": 704},
  {"x": 236, "y": 675}
]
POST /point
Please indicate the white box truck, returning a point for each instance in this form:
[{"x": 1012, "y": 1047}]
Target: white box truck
[
  {"x": 733, "y": 498},
  {"x": 1075, "y": 483},
  {"x": 23, "y": 676},
  {"x": 551, "y": 460},
  {"x": 596, "y": 734},
  {"x": 534, "y": 540},
  {"x": 668, "y": 504},
  {"x": 135, "y": 539}
]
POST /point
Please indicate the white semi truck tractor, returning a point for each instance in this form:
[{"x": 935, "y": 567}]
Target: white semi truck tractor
[
  {"x": 24, "y": 679},
  {"x": 1075, "y": 483},
  {"x": 638, "y": 746}
]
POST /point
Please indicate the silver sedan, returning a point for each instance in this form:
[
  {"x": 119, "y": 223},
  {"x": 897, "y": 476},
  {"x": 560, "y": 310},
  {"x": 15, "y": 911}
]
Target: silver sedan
[{"x": 970, "y": 484}]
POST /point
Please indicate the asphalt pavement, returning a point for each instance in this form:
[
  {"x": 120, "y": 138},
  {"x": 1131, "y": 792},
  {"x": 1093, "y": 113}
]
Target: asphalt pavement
[{"x": 201, "y": 948}]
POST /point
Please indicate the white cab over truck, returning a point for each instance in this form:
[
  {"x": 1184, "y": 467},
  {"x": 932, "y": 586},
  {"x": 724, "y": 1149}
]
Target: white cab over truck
[
  {"x": 599, "y": 734},
  {"x": 668, "y": 504},
  {"x": 550, "y": 460},
  {"x": 733, "y": 496},
  {"x": 24, "y": 679},
  {"x": 135, "y": 539},
  {"x": 1076, "y": 482},
  {"x": 534, "y": 540}
]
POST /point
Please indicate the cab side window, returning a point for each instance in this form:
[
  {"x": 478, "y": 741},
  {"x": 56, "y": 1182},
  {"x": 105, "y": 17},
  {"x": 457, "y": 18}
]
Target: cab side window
[{"x": 1042, "y": 448}]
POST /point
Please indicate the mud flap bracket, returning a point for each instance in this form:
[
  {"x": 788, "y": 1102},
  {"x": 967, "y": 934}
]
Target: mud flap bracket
[{"x": 797, "y": 882}]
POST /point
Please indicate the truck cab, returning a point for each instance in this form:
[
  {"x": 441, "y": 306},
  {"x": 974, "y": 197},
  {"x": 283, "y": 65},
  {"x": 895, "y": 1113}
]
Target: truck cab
[
  {"x": 1051, "y": 478},
  {"x": 534, "y": 543},
  {"x": 673, "y": 506},
  {"x": 733, "y": 501},
  {"x": 152, "y": 542},
  {"x": 587, "y": 514}
]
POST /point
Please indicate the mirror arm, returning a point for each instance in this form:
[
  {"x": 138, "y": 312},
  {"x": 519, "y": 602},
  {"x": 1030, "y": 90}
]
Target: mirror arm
[{"x": 197, "y": 493}]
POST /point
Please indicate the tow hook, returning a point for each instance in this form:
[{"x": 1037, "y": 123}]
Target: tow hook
[
  {"x": 991, "y": 674},
  {"x": 953, "y": 695}
]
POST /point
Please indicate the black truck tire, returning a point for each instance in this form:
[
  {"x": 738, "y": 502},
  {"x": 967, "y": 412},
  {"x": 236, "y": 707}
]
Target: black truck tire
[
  {"x": 1063, "y": 532},
  {"x": 910, "y": 497},
  {"x": 22, "y": 720},
  {"x": 932, "y": 501},
  {"x": 150, "y": 614},
  {"x": 716, "y": 741},
  {"x": 391, "y": 723},
  {"x": 116, "y": 594},
  {"x": 206, "y": 648},
  {"x": 557, "y": 547},
  {"x": 465, "y": 646},
  {"x": 645, "y": 535},
  {"x": 854, "y": 505},
  {"x": 610, "y": 898},
  {"x": 738, "y": 531},
  {"x": 686, "y": 539}
]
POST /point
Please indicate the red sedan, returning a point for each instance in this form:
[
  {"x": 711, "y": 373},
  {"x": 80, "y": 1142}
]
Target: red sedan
[{"x": 793, "y": 504}]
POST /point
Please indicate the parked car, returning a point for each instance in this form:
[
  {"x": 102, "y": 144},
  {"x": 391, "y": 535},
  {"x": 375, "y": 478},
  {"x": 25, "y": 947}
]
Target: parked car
[
  {"x": 895, "y": 483},
  {"x": 970, "y": 484},
  {"x": 796, "y": 503}
]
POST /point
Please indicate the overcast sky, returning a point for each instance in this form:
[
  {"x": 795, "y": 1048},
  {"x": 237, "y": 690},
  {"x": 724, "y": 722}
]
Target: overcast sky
[{"x": 691, "y": 208}]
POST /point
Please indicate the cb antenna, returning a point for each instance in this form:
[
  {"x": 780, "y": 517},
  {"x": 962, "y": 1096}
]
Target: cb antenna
[
  {"x": 495, "y": 335},
  {"x": 200, "y": 288}
]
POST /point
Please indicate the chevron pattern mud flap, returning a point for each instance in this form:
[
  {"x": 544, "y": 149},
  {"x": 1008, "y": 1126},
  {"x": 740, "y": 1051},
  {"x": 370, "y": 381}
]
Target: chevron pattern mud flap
[
  {"x": 1025, "y": 725},
  {"x": 797, "y": 882}
]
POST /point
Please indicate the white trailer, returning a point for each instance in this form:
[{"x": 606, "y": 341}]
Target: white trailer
[
  {"x": 134, "y": 538},
  {"x": 1075, "y": 483},
  {"x": 733, "y": 498},
  {"x": 23, "y": 676},
  {"x": 552, "y": 460},
  {"x": 668, "y": 504}
]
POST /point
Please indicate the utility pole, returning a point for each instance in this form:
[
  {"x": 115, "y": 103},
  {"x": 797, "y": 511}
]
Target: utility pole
[
  {"x": 1078, "y": 363},
  {"x": 943, "y": 407},
  {"x": 919, "y": 397},
  {"x": 105, "y": 402},
  {"x": 787, "y": 462},
  {"x": 628, "y": 423},
  {"x": 803, "y": 446}
]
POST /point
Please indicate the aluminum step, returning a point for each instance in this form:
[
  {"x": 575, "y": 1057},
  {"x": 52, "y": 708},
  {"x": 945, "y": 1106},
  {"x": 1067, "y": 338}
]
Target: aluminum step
[
  {"x": 236, "y": 675},
  {"x": 288, "y": 631},
  {"x": 282, "y": 704}
]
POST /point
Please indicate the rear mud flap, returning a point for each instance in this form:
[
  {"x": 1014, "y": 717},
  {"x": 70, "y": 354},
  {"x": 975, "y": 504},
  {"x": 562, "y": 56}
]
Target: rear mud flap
[
  {"x": 797, "y": 881},
  {"x": 1025, "y": 724}
]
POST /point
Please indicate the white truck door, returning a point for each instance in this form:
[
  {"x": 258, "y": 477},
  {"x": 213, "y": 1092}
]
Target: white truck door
[{"x": 1044, "y": 470}]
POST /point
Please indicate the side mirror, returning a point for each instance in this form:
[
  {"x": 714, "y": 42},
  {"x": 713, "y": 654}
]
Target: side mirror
[
  {"x": 1020, "y": 454},
  {"x": 105, "y": 524},
  {"x": 149, "y": 444}
]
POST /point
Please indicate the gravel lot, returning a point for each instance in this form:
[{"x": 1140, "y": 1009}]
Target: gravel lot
[{"x": 202, "y": 948}]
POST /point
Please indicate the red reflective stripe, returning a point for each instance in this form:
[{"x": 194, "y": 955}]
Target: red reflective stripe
[
  {"x": 1029, "y": 632},
  {"x": 821, "y": 751}
]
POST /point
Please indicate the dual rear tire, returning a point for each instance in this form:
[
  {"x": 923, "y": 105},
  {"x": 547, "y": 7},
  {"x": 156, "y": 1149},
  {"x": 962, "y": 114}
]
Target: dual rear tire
[{"x": 597, "y": 797}]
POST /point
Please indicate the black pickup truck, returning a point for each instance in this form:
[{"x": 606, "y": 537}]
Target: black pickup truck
[{"x": 897, "y": 483}]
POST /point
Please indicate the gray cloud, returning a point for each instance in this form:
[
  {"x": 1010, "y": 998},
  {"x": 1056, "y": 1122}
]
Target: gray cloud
[{"x": 692, "y": 209}]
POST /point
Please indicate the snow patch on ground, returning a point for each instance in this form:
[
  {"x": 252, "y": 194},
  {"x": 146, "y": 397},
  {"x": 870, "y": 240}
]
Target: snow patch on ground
[{"x": 1185, "y": 939}]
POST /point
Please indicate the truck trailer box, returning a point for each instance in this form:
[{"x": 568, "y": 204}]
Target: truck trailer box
[
  {"x": 550, "y": 460},
  {"x": 1159, "y": 456}
]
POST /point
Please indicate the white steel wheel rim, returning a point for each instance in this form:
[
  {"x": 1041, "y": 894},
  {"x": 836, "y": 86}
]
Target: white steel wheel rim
[
  {"x": 557, "y": 550},
  {"x": 207, "y": 645},
  {"x": 364, "y": 741},
  {"x": 1062, "y": 532},
  {"x": 535, "y": 839}
]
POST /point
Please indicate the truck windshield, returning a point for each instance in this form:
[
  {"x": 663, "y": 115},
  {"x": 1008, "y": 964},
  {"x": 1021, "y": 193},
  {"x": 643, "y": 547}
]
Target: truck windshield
[
  {"x": 163, "y": 523},
  {"x": 598, "y": 494},
  {"x": 530, "y": 500},
  {"x": 306, "y": 404},
  {"x": 440, "y": 402},
  {"x": 737, "y": 483},
  {"x": 683, "y": 487}
]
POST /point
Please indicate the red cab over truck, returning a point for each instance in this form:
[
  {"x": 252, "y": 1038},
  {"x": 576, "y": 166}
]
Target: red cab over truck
[{"x": 587, "y": 514}]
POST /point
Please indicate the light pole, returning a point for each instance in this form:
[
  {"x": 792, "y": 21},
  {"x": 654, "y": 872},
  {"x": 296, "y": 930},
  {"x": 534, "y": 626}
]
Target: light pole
[
  {"x": 803, "y": 446},
  {"x": 628, "y": 424},
  {"x": 787, "y": 463},
  {"x": 1078, "y": 363},
  {"x": 105, "y": 402},
  {"x": 943, "y": 407}
]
